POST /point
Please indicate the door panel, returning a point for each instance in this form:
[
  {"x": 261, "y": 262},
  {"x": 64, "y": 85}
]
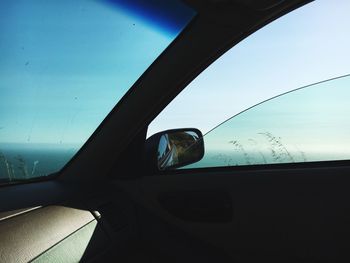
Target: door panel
[
  {"x": 214, "y": 206},
  {"x": 300, "y": 214},
  {"x": 90, "y": 223}
]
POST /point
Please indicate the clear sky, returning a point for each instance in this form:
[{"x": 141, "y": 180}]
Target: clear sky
[
  {"x": 309, "y": 124},
  {"x": 65, "y": 64},
  {"x": 308, "y": 45}
]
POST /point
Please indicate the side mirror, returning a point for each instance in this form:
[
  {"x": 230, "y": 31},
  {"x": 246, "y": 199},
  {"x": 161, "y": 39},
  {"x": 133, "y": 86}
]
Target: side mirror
[{"x": 174, "y": 148}]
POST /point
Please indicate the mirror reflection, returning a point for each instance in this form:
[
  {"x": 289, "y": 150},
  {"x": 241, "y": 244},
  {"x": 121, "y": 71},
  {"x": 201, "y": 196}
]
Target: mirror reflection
[{"x": 179, "y": 148}]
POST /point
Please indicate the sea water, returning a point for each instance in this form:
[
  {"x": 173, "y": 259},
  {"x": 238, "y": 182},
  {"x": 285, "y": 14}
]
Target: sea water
[{"x": 21, "y": 161}]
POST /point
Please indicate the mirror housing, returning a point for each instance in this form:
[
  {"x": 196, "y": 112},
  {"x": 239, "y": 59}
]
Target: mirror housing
[{"x": 175, "y": 148}]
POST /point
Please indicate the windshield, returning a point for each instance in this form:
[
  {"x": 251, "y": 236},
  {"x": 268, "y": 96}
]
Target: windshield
[{"x": 64, "y": 66}]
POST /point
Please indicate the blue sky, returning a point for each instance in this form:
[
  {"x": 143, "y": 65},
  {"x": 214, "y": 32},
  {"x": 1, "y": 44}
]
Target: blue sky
[
  {"x": 307, "y": 45},
  {"x": 310, "y": 124},
  {"x": 65, "y": 64}
]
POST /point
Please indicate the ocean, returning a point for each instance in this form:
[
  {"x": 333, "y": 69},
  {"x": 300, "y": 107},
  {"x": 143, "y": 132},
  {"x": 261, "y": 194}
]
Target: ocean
[{"x": 18, "y": 162}]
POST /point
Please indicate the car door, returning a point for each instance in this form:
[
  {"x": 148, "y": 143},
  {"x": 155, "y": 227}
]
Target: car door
[
  {"x": 260, "y": 193},
  {"x": 266, "y": 188}
]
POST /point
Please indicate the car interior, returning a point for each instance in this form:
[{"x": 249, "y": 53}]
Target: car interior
[{"x": 112, "y": 203}]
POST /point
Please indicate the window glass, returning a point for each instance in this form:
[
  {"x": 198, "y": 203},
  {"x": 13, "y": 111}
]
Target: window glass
[
  {"x": 306, "y": 46},
  {"x": 64, "y": 65},
  {"x": 305, "y": 125}
]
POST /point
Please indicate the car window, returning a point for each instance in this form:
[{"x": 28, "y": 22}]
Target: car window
[
  {"x": 64, "y": 65},
  {"x": 305, "y": 125},
  {"x": 305, "y": 48}
]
